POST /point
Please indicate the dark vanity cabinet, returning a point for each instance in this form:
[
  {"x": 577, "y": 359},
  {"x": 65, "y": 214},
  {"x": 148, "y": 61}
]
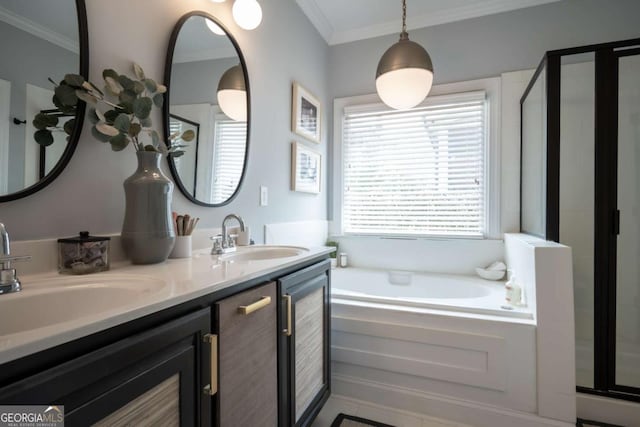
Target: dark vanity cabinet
[
  {"x": 156, "y": 376},
  {"x": 255, "y": 354},
  {"x": 304, "y": 358}
]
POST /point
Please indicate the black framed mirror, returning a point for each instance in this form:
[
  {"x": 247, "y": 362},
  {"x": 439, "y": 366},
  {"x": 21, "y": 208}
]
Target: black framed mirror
[
  {"x": 208, "y": 92},
  {"x": 40, "y": 40}
]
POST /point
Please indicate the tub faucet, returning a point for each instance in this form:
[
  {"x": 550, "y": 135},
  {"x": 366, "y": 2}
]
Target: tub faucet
[
  {"x": 8, "y": 278},
  {"x": 223, "y": 244}
]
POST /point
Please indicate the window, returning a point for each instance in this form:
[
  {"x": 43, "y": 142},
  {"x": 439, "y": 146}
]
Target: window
[
  {"x": 228, "y": 157},
  {"x": 418, "y": 172}
]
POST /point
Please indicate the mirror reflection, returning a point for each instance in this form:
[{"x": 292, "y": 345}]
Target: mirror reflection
[
  {"x": 39, "y": 39},
  {"x": 207, "y": 94}
]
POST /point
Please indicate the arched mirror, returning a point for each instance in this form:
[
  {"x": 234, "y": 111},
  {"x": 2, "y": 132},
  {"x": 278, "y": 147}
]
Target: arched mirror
[
  {"x": 40, "y": 42},
  {"x": 208, "y": 93}
]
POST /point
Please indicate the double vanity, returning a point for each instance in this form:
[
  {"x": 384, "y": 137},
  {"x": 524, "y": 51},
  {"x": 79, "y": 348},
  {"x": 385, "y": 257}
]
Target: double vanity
[{"x": 239, "y": 339}]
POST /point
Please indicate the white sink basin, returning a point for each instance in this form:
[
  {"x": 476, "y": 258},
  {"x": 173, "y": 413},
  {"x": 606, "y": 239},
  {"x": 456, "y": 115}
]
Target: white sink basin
[
  {"x": 261, "y": 253},
  {"x": 49, "y": 302}
]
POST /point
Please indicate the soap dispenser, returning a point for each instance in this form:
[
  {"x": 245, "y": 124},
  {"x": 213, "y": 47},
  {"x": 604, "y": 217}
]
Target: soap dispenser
[{"x": 513, "y": 291}]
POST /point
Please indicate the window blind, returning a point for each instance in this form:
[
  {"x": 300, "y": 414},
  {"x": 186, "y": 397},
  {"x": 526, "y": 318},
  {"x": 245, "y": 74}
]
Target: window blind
[
  {"x": 418, "y": 171},
  {"x": 228, "y": 158}
]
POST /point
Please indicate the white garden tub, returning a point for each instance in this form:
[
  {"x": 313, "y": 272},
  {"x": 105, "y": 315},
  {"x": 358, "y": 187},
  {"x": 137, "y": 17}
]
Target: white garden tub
[{"x": 428, "y": 290}]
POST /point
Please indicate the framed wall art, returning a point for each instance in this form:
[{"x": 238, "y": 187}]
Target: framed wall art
[
  {"x": 306, "y": 114},
  {"x": 306, "y": 165}
]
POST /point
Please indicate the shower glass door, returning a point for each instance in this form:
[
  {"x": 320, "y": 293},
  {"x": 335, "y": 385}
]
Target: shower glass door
[{"x": 627, "y": 363}]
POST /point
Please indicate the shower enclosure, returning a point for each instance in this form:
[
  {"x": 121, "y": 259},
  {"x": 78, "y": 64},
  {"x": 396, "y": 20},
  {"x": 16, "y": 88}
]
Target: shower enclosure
[{"x": 580, "y": 186}]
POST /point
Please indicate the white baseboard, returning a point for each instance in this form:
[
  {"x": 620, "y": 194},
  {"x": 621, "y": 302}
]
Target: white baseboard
[
  {"x": 439, "y": 406},
  {"x": 613, "y": 411}
]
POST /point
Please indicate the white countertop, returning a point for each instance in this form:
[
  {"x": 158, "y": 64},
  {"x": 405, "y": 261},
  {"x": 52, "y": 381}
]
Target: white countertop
[{"x": 182, "y": 280}]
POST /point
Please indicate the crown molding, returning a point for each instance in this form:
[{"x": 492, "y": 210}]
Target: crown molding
[
  {"x": 489, "y": 7},
  {"x": 38, "y": 30},
  {"x": 317, "y": 18}
]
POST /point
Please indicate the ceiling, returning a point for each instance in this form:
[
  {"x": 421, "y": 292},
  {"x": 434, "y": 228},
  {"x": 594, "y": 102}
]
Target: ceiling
[{"x": 340, "y": 21}]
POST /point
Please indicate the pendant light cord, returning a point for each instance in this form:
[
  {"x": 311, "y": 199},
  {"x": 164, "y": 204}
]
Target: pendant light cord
[{"x": 404, "y": 35}]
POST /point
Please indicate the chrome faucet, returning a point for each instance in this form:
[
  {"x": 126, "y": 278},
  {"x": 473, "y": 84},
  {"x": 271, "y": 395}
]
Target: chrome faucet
[
  {"x": 223, "y": 244},
  {"x": 8, "y": 278}
]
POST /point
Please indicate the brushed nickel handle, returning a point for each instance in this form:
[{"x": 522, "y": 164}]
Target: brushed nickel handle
[
  {"x": 212, "y": 388},
  {"x": 287, "y": 331},
  {"x": 248, "y": 309}
]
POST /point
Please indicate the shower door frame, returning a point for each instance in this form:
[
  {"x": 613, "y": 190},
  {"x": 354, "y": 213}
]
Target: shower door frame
[{"x": 606, "y": 214}]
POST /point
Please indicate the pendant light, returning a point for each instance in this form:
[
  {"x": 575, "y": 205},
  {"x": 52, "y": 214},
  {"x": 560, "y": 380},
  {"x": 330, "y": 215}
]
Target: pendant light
[
  {"x": 247, "y": 14},
  {"x": 405, "y": 72},
  {"x": 232, "y": 94},
  {"x": 214, "y": 28}
]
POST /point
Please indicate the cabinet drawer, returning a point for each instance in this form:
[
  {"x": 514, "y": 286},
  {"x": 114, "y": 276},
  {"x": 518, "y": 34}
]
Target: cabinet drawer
[{"x": 247, "y": 340}]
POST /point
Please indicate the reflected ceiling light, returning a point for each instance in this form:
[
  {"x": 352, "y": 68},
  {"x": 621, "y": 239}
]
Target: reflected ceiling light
[
  {"x": 405, "y": 72},
  {"x": 215, "y": 28},
  {"x": 247, "y": 14},
  {"x": 232, "y": 94}
]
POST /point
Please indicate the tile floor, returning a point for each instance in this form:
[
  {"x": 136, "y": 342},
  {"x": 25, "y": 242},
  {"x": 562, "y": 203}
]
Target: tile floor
[{"x": 337, "y": 404}]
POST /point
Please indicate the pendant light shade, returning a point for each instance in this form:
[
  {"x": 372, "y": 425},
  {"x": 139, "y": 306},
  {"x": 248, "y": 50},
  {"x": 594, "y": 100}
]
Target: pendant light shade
[
  {"x": 232, "y": 94},
  {"x": 247, "y": 14},
  {"x": 214, "y": 28},
  {"x": 405, "y": 72}
]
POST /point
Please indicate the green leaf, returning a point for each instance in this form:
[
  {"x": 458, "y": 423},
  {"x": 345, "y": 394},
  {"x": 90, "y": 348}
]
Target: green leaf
[
  {"x": 134, "y": 129},
  {"x": 146, "y": 123},
  {"x": 107, "y": 129},
  {"x": 150, "y": 84},
  {"x": 150, "y": 147},
  {"x": 69, "y": 126},
  {"x": 142, "y": 107},
  {"x": 110, "y": 116},
  {"x": 99, "y": 136},
  {"x": 158, "y": 100},
  {"x": 74, "y": 80},
  {"x": 119, "y": 142},
  {"x": 66, "y": 94},
  {"x": 138, "y": 87},
  {"x": 155, "y": 138},
  {"x": 122, "y": 123},
  {"x": 127, "y": 97},
  {"x": 67, "y": 109},
  {"x": 86, "y": 97},
  {"x": 43, "y": 137},
  {"x": 90, "y": 86},
  {"x": 188, "y": 135},
  {"x": 109, "y": 73},
  {"x": 42, "y": 121},
  {"x": 125, "y": 82},
  {"x": 112, "y": 86},
  {"x": 138, "y": 71}
]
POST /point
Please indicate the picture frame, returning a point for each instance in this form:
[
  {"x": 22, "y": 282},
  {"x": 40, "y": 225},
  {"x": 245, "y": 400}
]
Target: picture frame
[
  {"x": 306, "y": 114},
  {"x": 306, "y": 169}
]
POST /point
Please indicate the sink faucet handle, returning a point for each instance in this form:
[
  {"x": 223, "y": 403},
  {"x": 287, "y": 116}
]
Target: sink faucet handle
[{"x": 218, "y": 243}]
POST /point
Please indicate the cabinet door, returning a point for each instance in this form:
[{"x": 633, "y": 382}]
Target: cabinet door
[
  {"x": 304, "y": 344},
  {"x": 154, "y": 378},
  {"x": 247, "y": 339}
]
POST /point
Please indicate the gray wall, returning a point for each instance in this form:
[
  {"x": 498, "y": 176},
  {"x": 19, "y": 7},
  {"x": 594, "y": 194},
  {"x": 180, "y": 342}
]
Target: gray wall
[
  {"x": 490, "y": 45},
  {"x": 196, "y": 82},
  {"x": 28, "y": 59},
  {"x": 88, "y": 195}
]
